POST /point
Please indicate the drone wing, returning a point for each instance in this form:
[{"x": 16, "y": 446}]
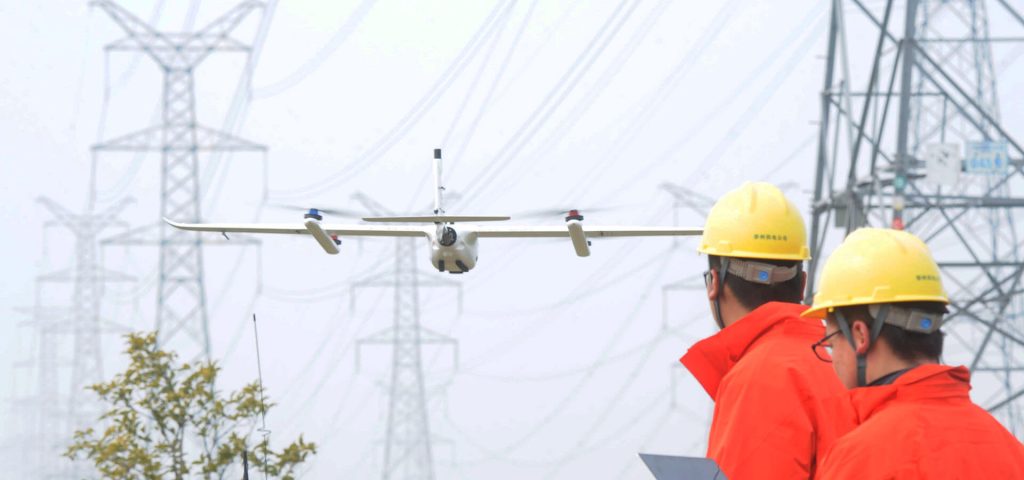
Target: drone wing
[
  {"x": 574, "y": 230},
  {"x": 324, "y": 233},
  {"x": 578, "y": 235},
  {"x": 550, "y": 232}
]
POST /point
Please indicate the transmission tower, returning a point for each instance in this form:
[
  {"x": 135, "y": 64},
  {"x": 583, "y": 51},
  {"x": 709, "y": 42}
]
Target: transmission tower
[
  {"x": 181, "y": 300},
  {"x": 88, "y": 277},
  {"x": 407, "y": 446},
  {"x": 910, "y": 138},
  {"x": 699, "y": 204},
  {"x": 51, "y": 414},
  {"x": 35, "y": 436},
  {"x": 685, "y": 197}
]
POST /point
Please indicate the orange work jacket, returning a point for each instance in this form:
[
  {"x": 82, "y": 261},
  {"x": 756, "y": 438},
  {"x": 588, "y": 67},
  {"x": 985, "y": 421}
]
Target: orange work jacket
[
  {"x": 923, "y": 426},
  {"x": 778, "y": 408}
]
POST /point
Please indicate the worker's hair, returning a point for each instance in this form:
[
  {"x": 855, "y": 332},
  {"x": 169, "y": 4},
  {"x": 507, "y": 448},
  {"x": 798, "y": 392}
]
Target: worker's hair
[
  {"x": 752, "y": 295},
  {"x": 906, "y": 344}
]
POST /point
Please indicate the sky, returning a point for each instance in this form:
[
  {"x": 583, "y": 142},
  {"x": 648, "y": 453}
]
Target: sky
[{"x": 566, "y": 367}]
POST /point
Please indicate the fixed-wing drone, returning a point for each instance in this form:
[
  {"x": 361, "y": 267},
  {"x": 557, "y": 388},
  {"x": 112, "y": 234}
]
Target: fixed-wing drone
[{"x": 453, "y": 249}]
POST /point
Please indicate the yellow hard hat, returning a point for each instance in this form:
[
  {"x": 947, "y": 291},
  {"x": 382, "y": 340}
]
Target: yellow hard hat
[
  {"x": 877, "y": 265},
  {"x": 755, "y": 221}
]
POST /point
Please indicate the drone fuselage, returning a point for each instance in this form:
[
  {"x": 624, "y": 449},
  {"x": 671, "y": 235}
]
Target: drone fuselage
[{"x": 453, "y": 250}]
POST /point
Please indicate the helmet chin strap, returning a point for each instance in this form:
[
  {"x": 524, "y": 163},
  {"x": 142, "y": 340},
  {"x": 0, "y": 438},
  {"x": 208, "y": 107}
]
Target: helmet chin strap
[
  {"x": 876, "y": 330},
  {"x": 722, "y": 272}
]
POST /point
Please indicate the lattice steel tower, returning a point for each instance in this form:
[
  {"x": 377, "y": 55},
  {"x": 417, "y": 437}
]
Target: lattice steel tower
[
  {"x": 181, "y": 301},
  {"x": 37, "y": 431},
  {"x": 407, "y": 447},
  {"x": 910, "y": 137},
  {"x": 68, "y": 350},
  {"x": 89, "y": 277}
]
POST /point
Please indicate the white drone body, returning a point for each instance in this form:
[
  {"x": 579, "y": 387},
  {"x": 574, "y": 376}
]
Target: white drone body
[{"x": 453, "y": 249}]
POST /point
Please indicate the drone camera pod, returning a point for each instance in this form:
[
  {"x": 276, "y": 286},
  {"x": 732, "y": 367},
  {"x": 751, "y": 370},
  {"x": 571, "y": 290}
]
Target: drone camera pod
[{"x": 448, "y": 236}]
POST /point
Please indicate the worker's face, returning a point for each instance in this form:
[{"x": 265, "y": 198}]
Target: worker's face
[{"x": 844, "y": 359}]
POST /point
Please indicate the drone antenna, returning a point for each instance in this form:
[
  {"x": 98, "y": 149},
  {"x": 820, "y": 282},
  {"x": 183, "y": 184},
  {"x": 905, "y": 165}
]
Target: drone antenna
[
  {"x": 438, "y": 209},
  {"x": 263, "y": 404}
]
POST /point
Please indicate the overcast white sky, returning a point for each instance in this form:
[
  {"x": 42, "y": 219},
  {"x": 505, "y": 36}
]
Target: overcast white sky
[{"x": 567, "y": 368}]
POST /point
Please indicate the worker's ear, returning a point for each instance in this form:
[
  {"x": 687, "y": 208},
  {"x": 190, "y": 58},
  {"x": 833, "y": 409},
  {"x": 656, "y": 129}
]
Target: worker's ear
[
  {"x": 713, "y": 285},
  {"x": 803, "y": 285},
  {"x": 861, "y": 336}
]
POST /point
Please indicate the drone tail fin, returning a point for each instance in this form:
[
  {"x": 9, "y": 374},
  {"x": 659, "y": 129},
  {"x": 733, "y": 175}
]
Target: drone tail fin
[{"x": 438, "y": 187}]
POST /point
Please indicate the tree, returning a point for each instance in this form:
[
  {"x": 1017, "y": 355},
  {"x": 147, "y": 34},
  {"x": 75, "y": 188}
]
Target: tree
[{"x": 168, "y": 421}]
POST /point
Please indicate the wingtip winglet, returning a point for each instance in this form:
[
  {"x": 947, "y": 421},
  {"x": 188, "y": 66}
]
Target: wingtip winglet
[{"x": 173, "y": 223}]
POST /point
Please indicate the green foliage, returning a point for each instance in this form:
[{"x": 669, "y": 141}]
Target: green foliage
[{"x": 167, "y": 421}]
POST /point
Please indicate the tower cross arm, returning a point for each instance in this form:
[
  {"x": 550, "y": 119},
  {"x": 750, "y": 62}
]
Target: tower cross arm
[
  {"x": 140, "y": 35},
  {"x": 177, "y": 50},
  {"x": 61, "y": 214},
  {"x": 109, "y": 216},
  {"x": 216, "y": 35}
]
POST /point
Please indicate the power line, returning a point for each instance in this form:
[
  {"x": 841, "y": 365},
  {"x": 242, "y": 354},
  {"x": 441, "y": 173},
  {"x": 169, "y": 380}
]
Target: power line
[
  {"x": 505, "y": 19},
  {"x": 536, "y": 327},
  {"x": 485, "y": 103},
  {"x": 312, "y": 64},
  {"x": 408, "y": 121},
  {"x": 550, "y": 102},
  {"x": 574, "y": 391},
  {"x": 572, "y": 372},
  {"x": 764, "y": 94},
  {"x": 657, "y": 99},
  {"x": 589, "y": 98}
]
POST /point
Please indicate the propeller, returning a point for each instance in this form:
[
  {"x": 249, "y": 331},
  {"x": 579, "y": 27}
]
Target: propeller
[
  {"x": 329, "y": 211},
  {"x": 561, "y": 212}
]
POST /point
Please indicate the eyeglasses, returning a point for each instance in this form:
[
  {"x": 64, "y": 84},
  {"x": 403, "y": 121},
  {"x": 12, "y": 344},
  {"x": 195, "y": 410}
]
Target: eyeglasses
[
  {"x": 823, "y": 348},
  {"x": 707, "y": 278}
]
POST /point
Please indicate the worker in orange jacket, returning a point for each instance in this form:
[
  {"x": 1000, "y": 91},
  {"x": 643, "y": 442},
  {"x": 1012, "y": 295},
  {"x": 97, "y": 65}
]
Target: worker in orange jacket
[
  {"x": 881, "y": 294},
  {"x": 778, "y": 409}
]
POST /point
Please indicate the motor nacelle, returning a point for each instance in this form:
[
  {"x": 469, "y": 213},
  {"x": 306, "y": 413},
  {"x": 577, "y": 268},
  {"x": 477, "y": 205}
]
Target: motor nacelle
[
  {"x": 577, "y": 235},
  {"x": 328, "y": 242}
]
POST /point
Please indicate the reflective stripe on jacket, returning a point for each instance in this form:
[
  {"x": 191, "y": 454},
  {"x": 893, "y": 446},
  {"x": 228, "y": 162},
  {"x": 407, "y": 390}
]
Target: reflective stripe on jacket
[
  {"x": 778, "y": 408},
  {"x": 924, "y": 426}
]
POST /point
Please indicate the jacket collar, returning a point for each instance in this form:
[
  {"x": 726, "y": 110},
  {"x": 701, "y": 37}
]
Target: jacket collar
[
  {"x": 932, "y": 381},
  {"x": 709, "y": 360}
]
